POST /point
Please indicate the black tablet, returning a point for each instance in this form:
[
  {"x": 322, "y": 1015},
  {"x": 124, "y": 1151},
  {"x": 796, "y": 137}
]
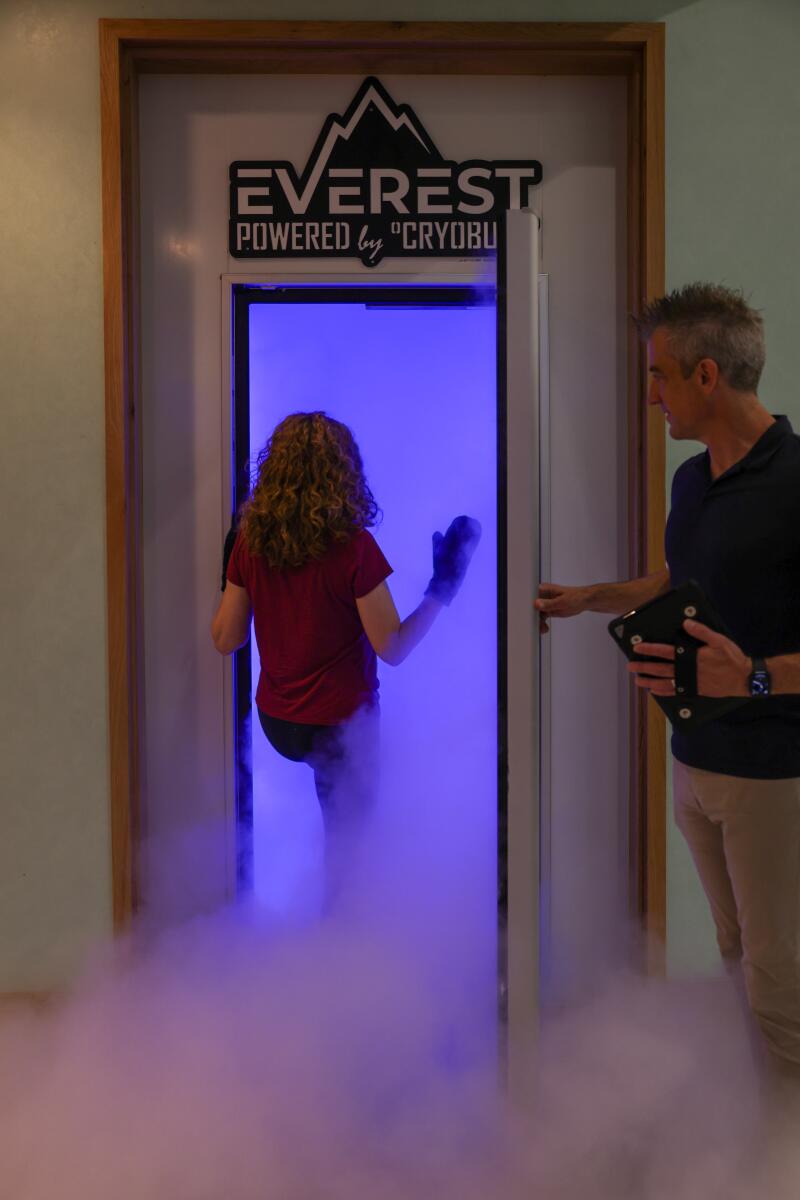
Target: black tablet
[{"x": 661, "y": 620}]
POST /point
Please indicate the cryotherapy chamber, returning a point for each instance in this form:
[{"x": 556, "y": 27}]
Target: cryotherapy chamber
[
  {"x": 486, "y": 788},
  {"x": 436, "y": 372}
]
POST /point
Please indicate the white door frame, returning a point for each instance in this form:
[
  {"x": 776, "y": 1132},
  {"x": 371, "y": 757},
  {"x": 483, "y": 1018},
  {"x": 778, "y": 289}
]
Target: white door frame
[{"x": 523, "y": 486}]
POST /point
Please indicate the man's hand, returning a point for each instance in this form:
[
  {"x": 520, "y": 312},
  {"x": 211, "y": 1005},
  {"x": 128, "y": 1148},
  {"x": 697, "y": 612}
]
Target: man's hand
[
  {"x": 556, "y": 600},
  {"x": 722, "y": 669}
]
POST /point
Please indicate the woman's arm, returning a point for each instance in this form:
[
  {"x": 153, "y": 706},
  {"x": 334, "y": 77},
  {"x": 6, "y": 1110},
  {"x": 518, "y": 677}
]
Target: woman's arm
[
  {"x": 393, "y": 639},
  {"x": 390, "y": 638},
  {"x": 231, "y": 625}
]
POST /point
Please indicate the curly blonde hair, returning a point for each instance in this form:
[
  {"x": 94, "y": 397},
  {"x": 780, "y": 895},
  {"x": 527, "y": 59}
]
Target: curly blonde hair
[{"x": 309, "y": 491}]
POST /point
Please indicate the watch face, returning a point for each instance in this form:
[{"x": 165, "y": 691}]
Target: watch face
[{"x": 759, "y": 684}]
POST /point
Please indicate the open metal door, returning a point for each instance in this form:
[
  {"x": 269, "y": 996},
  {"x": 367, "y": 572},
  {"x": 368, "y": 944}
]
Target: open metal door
[{"x": 518, "y": 519}]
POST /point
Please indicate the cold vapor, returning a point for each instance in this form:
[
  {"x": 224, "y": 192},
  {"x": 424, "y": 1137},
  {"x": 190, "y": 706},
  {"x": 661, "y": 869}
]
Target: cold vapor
[
  {"x": 273, "y": 1051},
  {"x": 355, "y": 1055}
]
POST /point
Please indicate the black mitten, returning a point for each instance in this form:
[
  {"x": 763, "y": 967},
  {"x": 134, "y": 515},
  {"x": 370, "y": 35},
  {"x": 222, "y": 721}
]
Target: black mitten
[
  {"x": 451, "y": 556},
  {"x": 227, "y": 551}
]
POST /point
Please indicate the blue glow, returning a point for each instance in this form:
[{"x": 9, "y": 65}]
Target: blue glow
[{"x": 418, "y": 388}]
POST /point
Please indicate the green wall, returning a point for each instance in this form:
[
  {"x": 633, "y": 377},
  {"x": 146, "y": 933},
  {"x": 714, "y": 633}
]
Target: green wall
[
  {"x": 733, "y": 199},
  {"x": 733, "y": 195}
]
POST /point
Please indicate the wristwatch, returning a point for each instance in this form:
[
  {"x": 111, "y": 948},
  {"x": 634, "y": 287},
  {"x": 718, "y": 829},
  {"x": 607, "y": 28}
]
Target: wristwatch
[{"x": 759, "y": 678}]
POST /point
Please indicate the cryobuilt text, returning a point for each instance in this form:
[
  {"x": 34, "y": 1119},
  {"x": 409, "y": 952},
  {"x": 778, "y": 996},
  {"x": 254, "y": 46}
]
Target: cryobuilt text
[{"x": 375, "y": 186}]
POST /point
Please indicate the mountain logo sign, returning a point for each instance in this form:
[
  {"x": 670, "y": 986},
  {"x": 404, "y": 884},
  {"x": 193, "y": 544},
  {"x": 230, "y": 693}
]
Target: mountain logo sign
[{"x": 374, "y": 186}]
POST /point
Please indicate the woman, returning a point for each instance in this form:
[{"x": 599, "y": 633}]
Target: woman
[{"x": 305, "y": 566}]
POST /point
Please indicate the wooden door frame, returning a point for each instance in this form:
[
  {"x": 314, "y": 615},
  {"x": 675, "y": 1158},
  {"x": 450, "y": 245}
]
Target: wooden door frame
[{"x": 129, "y": 48}]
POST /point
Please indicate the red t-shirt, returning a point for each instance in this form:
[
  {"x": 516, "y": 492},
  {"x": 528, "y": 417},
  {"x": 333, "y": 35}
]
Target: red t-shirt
[{"x": 317, "y": 666}]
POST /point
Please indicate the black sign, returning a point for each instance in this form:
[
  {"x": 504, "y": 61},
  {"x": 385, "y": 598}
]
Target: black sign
[{"x": 374, "y": 186}]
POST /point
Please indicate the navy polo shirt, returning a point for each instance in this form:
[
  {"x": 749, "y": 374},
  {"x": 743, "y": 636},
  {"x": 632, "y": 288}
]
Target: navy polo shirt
[{"x": 738, "y": 536}]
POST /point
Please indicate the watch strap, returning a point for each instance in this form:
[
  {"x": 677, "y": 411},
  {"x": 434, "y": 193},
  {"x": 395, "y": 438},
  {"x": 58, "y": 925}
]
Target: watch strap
[{"x": 759, "y": 678}]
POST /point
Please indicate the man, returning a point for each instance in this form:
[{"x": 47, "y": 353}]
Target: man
[{"x": 734, "y": 527}]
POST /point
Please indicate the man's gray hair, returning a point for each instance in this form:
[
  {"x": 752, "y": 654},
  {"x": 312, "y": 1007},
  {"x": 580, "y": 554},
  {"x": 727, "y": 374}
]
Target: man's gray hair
[{"x": 706, "y": 320}]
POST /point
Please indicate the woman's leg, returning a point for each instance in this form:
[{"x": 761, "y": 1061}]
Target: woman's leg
[
  {"x": 345, "y": 762},
  {"x": 344, "y": 759}
]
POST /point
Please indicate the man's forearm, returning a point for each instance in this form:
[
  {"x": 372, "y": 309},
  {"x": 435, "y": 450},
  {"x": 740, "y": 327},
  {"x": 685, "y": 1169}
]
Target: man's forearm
[
  {"x": 784, "y": 671},
  {"x": 621, "y": 597}
]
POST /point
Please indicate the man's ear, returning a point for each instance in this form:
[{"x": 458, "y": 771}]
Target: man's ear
[{"x": 707, "y": 374}]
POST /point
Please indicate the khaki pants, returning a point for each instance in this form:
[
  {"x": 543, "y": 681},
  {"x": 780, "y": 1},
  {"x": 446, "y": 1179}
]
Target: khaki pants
[{"x": 744, "y": 837}]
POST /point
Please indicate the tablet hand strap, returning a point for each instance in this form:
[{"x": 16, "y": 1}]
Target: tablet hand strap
[{"x": 686, "y": 667}]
